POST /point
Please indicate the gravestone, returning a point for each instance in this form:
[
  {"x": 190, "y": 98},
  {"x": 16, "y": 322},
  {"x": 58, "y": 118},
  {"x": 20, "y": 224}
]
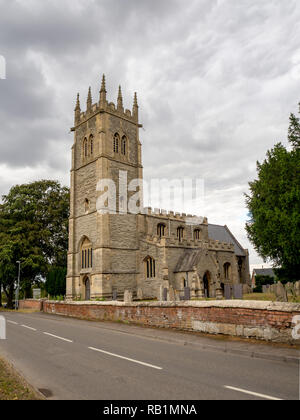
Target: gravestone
[
  {"x": 297, "y": 288},
  {"x": 227, "y": 291},
  {"x": 187, "y": 293},
  {"x": 2, "y": 328},
  {"x": 127, "y": 296},
  {"x": 246, "y": 289},
  {"x": 238, "y": 291},
  {"x": 281, "y": 295},
  {"x": 289, "y": 287}
]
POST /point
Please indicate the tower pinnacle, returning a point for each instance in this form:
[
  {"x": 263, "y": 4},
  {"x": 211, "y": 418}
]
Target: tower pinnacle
[
  {"x": 103, "y": 93},
  {"x": 77, "y": 109},
  {"x": 135, "y": 109},
  {"x": 120, "y": 100},
  {"x": 89, "y": 100}
]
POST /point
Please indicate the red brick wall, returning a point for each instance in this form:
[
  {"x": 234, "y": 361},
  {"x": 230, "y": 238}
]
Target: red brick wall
[
  {"x": 33, "y": 304},
  {"x": 266, "y": 324}
]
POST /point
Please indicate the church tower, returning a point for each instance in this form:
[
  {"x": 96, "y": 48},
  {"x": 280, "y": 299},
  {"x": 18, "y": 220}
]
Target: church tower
[{"x": 103, "y": 246}]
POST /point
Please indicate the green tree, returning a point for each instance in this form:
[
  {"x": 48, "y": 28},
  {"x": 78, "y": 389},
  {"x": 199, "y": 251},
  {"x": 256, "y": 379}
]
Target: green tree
[
  {"x": 274, "y": 207},
  {"x": 294, "y": 131},
  {"x": 33, "y": 230},
  {"x": 261, "y": 281},
  {"x": 56, "y": 282}
]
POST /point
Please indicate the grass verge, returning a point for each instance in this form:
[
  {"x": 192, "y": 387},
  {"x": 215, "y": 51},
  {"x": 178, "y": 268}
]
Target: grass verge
[
  {"x": 13, "y": 386},
  {"x": 22, "y": 311}
]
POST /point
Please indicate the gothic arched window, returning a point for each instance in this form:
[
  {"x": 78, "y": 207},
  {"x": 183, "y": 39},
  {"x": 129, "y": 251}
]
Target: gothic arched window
[
  {"x": 180, "y": 233},
  {"x": 150, "y": 267},
  {"x": 124, "y": 145},
  {"x": 86, "y": 254},
  {"x": 161, "y": 229},
  {"x": 85, "y": 148},
  {"x": 116, "y": 143}
]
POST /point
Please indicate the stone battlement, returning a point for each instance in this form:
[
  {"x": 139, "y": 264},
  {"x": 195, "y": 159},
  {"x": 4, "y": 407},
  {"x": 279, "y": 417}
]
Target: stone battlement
[
  {"x": 187, "y": 218},
  {"x": 104, "y": 106},
  {"x": 108, "y": 107}
]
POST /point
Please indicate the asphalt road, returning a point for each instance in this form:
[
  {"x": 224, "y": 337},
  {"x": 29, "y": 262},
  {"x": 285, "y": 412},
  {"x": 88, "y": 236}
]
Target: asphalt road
[{"x": 74, "y": 360}]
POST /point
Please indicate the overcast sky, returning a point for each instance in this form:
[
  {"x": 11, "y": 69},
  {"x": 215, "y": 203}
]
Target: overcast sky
[{"x": 216, "y": 82}]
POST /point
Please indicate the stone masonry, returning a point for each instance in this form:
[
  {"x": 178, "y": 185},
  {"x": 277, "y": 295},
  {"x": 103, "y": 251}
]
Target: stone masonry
[
  {"x": 275, "y": 322},
  {"x": 144, "y": 253}
]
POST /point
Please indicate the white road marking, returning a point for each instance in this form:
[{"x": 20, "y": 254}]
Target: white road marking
[
  {"x": 126, "y": 358},
  {"x": 12, "y": 322},
  {"x": 60, "y": 338},
  {"x": 255, "y": 394},
  {"x": 29, "y": 328}
]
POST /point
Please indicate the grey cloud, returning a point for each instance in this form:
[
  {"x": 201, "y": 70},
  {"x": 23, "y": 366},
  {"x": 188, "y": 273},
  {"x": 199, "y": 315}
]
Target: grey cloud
[{"x": 216, "y": 82}]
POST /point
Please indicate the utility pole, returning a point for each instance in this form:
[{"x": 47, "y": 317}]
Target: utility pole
[{"x": 18, "y": 286}]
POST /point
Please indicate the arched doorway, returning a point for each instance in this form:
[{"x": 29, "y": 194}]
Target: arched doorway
[
  {"x": 87, "y": 284},
  {"x": 206, "y": 283}
]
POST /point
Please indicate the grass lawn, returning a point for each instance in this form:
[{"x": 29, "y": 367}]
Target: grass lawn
[
  {"x": 13, "y": 386},
  {"x": 260, "y": 296}
]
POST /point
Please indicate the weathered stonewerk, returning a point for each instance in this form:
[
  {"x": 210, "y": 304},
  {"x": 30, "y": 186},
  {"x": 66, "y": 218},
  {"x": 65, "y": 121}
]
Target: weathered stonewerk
[
  {"x": 145, "y": 250},
  {"x": 260, "y": 320}
]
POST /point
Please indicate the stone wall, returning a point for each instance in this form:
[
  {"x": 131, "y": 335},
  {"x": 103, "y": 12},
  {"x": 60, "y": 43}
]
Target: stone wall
[{"x": 250, "y": 319}]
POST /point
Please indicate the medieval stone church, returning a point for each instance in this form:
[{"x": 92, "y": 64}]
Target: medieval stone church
[{"x": 145, "y": 253}]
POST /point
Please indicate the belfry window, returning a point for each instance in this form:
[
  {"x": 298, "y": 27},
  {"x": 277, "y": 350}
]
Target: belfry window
[
  {"x": 197, "y": 233},
  {"x": 123, "y": 145},
  {"x": 180, "y": 233},
  {"x": 116, "y": 143},
  {"x": 161, "y": 228},
  {"x": 92, "y": 144},
  {"x": 85, "y": 148},
  {"x": 150, "y": 268}
]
